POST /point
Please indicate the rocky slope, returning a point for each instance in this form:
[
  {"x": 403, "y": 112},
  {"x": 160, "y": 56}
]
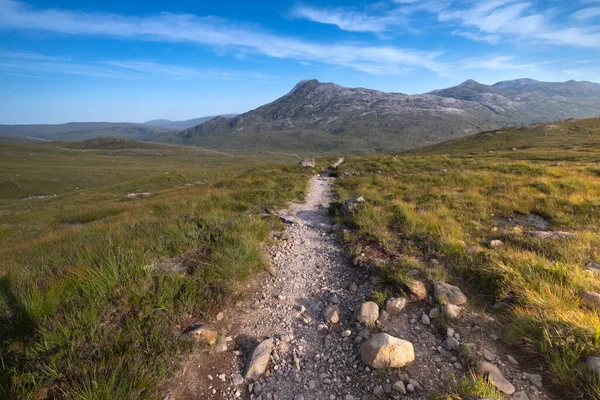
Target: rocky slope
[{"x": 326, "y": 117}]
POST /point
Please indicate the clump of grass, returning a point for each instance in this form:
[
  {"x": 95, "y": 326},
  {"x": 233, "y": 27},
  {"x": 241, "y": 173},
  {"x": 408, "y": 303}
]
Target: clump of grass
[{"x": 473, "y": 386}]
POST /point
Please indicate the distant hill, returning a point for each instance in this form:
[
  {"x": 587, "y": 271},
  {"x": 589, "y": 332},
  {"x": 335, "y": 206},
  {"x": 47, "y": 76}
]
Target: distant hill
[
  {"x": 76, "y": 131},
  {"x": 581, "y": 137},
  {"x": 328, "y": 118},
  {"x": 165, "y": 123}
]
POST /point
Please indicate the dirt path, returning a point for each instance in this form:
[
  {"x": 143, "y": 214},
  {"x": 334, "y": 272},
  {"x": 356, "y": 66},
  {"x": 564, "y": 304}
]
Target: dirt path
[{"x": 312, "y": 359}]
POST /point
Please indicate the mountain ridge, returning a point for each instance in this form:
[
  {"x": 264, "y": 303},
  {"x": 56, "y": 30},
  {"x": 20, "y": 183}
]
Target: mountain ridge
[{"x": 326, "y": 117}]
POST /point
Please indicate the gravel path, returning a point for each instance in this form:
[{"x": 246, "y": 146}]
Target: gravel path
[{"x": 312, "y": 359}]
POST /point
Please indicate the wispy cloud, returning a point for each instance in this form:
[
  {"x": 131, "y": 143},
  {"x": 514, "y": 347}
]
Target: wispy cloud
[
  {"x": 217, "y": 33},
  {"x": 586, "y": 13},
  {"x": 520, "y": 20}
]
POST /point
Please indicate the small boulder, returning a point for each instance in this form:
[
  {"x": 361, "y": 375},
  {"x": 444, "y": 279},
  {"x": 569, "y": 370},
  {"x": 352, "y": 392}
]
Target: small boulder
[
  {"x": 496, "y": 243},
  {"x": 399, "y": 387},
  {"x": 450, "y": 343},
  {"x": 351, "y": 206},
  {"x": 308, "y": 162},
  {"x": 593, "y": 363},
  {"x": 259, "y": 360},
  {"x": 205, "y": 334},
  {"x": 368, "y": 313},
  {"x": 385, "y": 351},
  {"x": 332, "y": 314},
  {"x": 395, "y": 305},
  {"x": 494, "y": 375},
  {"x": 590, "y": 298},
  {"x": 448, "y": 294},
  {"x": 536, "y": 379},
  {"x": 425, "y": 319}
]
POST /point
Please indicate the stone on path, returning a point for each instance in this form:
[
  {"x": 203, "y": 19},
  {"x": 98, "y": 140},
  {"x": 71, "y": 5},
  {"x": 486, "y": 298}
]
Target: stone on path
[
  {"x": 368, "y": 313},
  {"x": 332, "y": 314},
  {"x": 448, "y": 294},
  {"x": 205, "y": 334},
  {"x": 395, "y": 305},
  {"x": 536, "y": 379},
  {"x": 259, "y": 360},
  {"x": 425, "y": 319},
  {"x": 450, "y": 311},
  {"x": 520, "y": 396},
  {"x": 399, "y": 387},
  {"x": 494, "y": 375},
  {"x": 386, "y": 351}
]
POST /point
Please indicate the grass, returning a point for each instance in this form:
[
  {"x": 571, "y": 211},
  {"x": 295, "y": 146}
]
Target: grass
[
  {"x": 447, "y": 202},
  {"x": 95, "y": 287}
]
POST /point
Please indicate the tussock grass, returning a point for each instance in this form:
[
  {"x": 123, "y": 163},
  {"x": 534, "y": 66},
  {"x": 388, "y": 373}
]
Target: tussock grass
[
  {"x": 96, "y": 288},
  {"x": 448, "y": 203}
]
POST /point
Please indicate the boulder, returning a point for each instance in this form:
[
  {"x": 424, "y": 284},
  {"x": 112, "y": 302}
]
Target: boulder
[
  {"x": 494, "y": 375},
  {"x": 350, "y": 206},
  {"x": 308, "y": 162},
  {"x": 332, "y": 314},
  {"x": 385, "y": 351},
  {"x": 203, "y": 333},
  {"x": 368, "y": 313},
  {"x": 448, "y": 294},
  {"x": 259, "y": 360},
  {"x": 395, "y": 305}
]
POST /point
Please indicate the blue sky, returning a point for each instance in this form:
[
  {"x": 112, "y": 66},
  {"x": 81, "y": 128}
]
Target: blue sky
[{"x": 66, "y": 60}]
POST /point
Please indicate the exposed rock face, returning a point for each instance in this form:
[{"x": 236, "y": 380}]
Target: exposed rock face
[
  {"x": 368, "y": 313},
  {"x": 205, "y": 334},
  {"x": 259, "y": 360},
  {"x": 385, "y": 351},
  {"x": 495, "y": 377},
  {"x": 551, "y": 235},
  {"x": 448, "y": 294},
  {"x": 314, "y": 113}
]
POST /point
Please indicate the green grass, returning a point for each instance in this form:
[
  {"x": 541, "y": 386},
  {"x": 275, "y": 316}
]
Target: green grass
[
  {"x": 96, "y": 288},
  {"x": 449, "y": 201}
]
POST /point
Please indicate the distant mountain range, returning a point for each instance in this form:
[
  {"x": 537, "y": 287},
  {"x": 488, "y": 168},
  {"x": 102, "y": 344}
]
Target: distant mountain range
[
  {"x": 76, "y": 131},
  {"x": 316, "y": 117},
  {"x": 328, "y": 118},
  {"x": 165, "y": 123}
]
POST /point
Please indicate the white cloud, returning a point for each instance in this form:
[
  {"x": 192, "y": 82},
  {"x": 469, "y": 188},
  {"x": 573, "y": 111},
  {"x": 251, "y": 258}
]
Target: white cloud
[
  {"x": 217, "y": 33},
  {"x": 586, "y": 13},
  {"x": 519, "y": 20},
  {"x": 351, "y": 20}
]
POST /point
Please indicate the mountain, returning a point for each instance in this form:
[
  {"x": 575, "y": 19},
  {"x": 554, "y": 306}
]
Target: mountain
[
  {"x": 328, "y": 118},
  {"x": 165, "y": 123},
  {"x": 75, "y": 131}
]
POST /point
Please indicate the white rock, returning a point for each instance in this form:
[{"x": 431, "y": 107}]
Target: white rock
[{"x": 386, "y": 351}]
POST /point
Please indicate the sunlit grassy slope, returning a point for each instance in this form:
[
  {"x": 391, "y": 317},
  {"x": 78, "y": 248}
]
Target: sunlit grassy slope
[
  {"x": 450, "y": 200},
  {"x": 95, "y": 286}
]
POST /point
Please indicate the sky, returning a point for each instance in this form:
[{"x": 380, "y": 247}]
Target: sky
[{"x": 66, "y": 60}]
